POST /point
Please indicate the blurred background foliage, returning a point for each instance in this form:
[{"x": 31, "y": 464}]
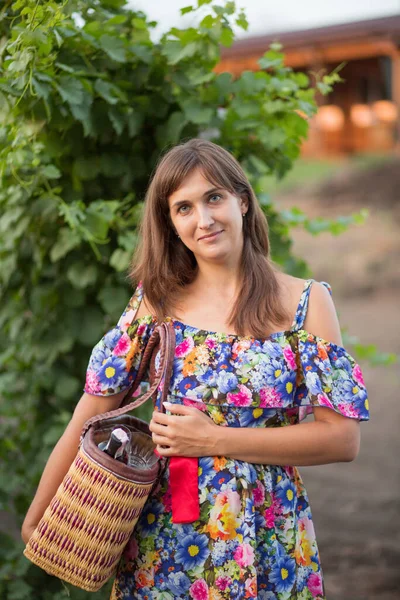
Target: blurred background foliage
[{"x": 88, "y": 101}]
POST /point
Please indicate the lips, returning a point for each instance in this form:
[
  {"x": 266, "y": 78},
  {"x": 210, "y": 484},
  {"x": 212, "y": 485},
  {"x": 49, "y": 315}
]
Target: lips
[{"x": 211, "y": 235}]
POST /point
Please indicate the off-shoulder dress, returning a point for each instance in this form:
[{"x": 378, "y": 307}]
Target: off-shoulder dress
[{"x": 255, "y": 536}]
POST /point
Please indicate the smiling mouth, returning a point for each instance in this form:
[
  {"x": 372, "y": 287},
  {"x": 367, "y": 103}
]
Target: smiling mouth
[{"x": 211, "y": 235}]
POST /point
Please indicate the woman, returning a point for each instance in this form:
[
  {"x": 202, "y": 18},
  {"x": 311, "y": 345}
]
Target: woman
[{"x": 235, "y": 399}]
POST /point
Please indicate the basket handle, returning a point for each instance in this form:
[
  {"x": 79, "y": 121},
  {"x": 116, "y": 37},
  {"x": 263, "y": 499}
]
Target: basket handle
[{"x": 164, "y": 335}]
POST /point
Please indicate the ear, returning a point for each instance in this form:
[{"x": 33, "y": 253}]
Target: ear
[{"x": 244, "y": 204}]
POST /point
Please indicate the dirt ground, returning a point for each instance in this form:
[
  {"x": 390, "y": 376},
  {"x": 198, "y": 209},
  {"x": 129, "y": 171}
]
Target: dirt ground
[{"x": 356, "y": 506}]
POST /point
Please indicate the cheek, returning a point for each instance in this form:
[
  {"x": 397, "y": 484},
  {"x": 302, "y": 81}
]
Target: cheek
[{"x": 185, "y": 226}]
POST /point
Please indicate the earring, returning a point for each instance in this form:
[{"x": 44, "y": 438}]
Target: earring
[{"x": 243, "y": 215}]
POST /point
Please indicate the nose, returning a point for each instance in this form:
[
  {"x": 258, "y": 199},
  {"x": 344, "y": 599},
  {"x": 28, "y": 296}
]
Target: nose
[{"x": 205, "y": 218}]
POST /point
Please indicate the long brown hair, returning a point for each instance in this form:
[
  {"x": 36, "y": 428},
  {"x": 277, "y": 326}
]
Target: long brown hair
[{"x": 165, "y": 265}]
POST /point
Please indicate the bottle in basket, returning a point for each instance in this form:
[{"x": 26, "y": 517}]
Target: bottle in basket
[{"x": 117, "y": 445}]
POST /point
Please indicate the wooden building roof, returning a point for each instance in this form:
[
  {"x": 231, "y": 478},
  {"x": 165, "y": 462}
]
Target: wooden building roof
[{"x": 320, "y": 45}]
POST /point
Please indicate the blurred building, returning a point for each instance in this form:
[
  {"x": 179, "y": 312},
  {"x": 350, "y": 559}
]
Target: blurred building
[{"x": 362, "y": 113}]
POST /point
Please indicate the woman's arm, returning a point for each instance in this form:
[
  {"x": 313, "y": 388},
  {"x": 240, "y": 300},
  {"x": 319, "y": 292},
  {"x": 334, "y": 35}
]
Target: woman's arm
[
  {"x": 189, "y": 432},
  {"x": 63, "y": 454},
  {"x": 330, "y": 438}
]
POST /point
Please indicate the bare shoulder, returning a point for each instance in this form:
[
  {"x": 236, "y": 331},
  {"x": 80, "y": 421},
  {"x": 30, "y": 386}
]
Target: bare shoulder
[
  {"x": 291, "y": 289},
  {"x": 321, "y": 319}
]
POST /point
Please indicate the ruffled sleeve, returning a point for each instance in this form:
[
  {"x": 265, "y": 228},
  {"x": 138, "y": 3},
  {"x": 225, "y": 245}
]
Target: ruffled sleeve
[
  {"x": 329, "y": 377},
  {"x": 115, "y": 359}
]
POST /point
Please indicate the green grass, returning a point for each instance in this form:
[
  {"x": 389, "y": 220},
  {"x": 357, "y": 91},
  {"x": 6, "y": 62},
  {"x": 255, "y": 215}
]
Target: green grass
[{"x": 313, "y": 171}]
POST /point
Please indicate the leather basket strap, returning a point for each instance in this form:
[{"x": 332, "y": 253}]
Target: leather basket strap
[{"x": 164, "y": 336}]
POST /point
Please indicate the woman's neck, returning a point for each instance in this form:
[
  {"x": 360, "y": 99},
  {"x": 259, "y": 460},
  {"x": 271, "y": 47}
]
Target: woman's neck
[{"x": 218, "y": 279}]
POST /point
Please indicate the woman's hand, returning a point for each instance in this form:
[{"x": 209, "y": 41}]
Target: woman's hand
[{"x": 186, "y": 432}]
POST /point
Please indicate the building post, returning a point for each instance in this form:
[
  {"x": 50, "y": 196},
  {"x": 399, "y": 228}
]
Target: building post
[{"x": 396, "y": 93}]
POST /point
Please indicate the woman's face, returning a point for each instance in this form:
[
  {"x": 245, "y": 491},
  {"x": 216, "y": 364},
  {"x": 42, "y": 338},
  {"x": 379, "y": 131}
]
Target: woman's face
[{"x": 208, "y": 220}]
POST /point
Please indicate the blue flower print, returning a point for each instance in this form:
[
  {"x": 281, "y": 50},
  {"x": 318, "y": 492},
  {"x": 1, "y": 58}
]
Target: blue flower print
[
  {"x": 286, "y": 386},
  {"x": 145, "y": 592},
  {"x": 99, "y": 356},
  {"x": 272, "y": 350},
  {"x": 112, "y": 337},
  {"x": 302, "y": 575},
  {"x": 149, "y": 519},
  {"x": 342, "y": 362},
  {"x": 275, "y": 371},
  {"x": 286, "y": 492},
  {"x": 160, "y": 582},
  {"x": 192, "y": 551},
  {"x": 226, "y": 382},
  {"x": 224, "y": 365},
  {"x": 363, "y": 407},
  {"x": 208, "y": 377},
  {"x": 188, "y": 383},
  {"x": 313, "y": 383},
  {"x": 266, "y": 595},
  {"x": 178, "y": 583},
  {"x": 251, "y": 417},
  {"x": 219, "y": 553},
  {"x": 283, "y": 574},
  {"x": 178, "y": 335},
  {"x": 237, "y": 590},
  {"x": 258, "y": 379},
  {"x": 113, "y": 372},
  {"x": 177, "y": 369},
  {"x": 354, "y": 392},
  {"x": 206, "y": 470}
]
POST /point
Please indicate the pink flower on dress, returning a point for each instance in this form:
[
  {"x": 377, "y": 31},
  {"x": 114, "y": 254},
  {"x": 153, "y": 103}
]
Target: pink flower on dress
[
  {"x": 269, "y": 517},
  {"x": 314, "y": 584},
  {"x": 259, "y": 494},
  {"x": 242, "y": 398},
  {"x": 289, "y": 357},
  {"x": 92, "y": 383},
  {"x": 123, "y": 345},
  {"x": 223, "y": 583},
  {"x": 195, "y": 404},
  {"x": 184, "y": 347},
  {"x": 199, "y": 590},
  {"x": 270, "y": 398},
  {"x": 358, "y": 376},
  {"x": 348, "y": 410},
  {"x": 240, "y": 346},
  {"x": 244, "y": 555},
  {"x": 141, "y": 329},
  {"x": 210, "y": 343},
  {"x": 323, "y": 400}
]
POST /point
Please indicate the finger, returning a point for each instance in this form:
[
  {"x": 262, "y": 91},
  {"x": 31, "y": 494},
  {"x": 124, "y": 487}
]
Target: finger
[
  {"x": 159, "y": 417},
  {"x": 179, "y": 409},
  {"x": 157, "y": 428},
  {"x": 160, "y": 440},
  {"x": 165, "y": 451}
]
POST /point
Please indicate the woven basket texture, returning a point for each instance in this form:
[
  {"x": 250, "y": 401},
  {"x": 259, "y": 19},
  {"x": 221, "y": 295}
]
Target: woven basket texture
[{"x": 84, "y": 530}]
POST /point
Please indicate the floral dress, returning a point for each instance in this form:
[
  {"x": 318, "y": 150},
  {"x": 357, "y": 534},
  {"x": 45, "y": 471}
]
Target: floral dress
[{"x": 255, "y": 536}]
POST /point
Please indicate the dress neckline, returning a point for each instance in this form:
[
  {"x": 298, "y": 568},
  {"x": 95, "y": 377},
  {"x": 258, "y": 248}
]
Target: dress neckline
[
  {"x": 223, "y": 334},
  {"x": 296, "y": 326}
]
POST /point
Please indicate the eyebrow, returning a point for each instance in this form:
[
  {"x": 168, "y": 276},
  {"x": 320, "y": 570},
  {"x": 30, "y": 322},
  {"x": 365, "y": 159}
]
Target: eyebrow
[{"x": 179, "y": 203}]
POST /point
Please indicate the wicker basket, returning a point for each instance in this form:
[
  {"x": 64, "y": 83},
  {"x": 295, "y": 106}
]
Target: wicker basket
[{"x": 83, "y": 532}]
